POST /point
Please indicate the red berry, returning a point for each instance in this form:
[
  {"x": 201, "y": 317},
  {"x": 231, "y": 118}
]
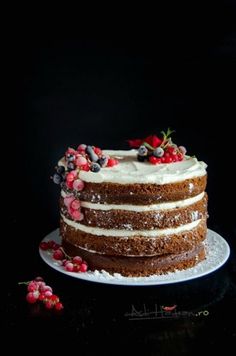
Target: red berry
[
  {"x": 69, "y": 267},
  {"x": 58, "y": 254},
  {"x": 30, "y": 297},
  {"x": 78, "y": 184},
  {"x": 81, "y": 148},
  {"x": 168, "y": 159},
  {"x": 41, "y": 296},
  {"x": 54, "y": 298},
  {"x": 75, "y": 204},
  {"x": 70, "y": 177},
  {"x": 83, "y": 267},
  {"x": 112, "y": 162},
  {"x": 59, "y": 306},
  {"x": 56, "y": 246},
  {"x": 175, "y": 158},
  {"x": 49, "y": 305},
  {"x": 97, "y": 150},
  {"x": 166, "y": 154},
  {"x": 77, "y": 260},
  {"x": 69, "y": 185},
  {"x": 163, "y": 159},
  {"x": 80, "y": 161},
  {"x": 32, "y": 286},
  {"x": 45, "y": 288},
  {"x": 44, "y": 246},
  {"x": 180, "y": 156},
  {"x": 76, "y": 268},
  {"x": 85, "y": 167},
  {"x": 48, "y": 294},
  {"x": 77, "y": 215},
  {"x": 153, "y": 160}
]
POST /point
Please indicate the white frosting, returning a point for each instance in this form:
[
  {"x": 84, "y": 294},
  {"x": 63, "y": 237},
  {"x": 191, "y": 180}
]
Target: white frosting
[
  {"x": 130, "y": 171},
  {"x": 128, "y": 233},
  {"x": 141, "y": 208}
]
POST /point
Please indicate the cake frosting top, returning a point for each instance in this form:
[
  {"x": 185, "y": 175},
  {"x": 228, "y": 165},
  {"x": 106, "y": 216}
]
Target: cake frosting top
[{"x": 130, "y": 171}]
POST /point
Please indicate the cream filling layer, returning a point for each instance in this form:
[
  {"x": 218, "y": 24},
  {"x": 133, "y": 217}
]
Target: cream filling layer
[
  {"x": 128, "y": 233},
  {"x": 141, "y": 208}
]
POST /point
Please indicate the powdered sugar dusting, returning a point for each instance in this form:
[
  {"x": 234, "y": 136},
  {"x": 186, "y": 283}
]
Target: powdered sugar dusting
[{"x": 217, "y": 253}]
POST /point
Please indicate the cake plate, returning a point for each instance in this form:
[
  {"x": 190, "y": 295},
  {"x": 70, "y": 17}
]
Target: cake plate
[{"x": 217, "y": 253}]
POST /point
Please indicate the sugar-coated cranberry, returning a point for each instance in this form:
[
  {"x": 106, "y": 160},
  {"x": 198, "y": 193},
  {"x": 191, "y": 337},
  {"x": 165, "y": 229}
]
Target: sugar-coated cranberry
[
  {"x": 78, "y": 184},
  {"x": 58, "y": 254},
  {"x": 30, "y": 297},
  {"x": 83, "y": 267},
  {"x": 77, "y": 260}
]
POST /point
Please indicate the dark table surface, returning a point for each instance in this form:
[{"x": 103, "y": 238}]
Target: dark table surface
[{"x": 102, "y": 316}]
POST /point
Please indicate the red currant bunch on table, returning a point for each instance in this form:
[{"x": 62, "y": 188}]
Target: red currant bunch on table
[
  {"x": 39, "y": 291},
  {"x": 70, "y": 264},
  {"x": 158, "y": 150}
]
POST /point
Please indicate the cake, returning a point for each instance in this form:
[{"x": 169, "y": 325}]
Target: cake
[{"x": 136, "y": 212}]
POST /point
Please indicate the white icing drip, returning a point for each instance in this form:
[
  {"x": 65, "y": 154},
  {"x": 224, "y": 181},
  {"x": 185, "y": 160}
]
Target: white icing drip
[
  {"x": 130, "y": 171},
  {"x": 127, "y": 233}
]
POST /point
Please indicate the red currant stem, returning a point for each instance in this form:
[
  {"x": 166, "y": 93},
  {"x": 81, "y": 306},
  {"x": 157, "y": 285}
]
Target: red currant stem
[
  {"x": 26, "y": 283},
  {"x": 69, "y": 257}
]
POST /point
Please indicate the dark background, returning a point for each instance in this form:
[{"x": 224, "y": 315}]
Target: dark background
[{"x": 77, "y": 89}]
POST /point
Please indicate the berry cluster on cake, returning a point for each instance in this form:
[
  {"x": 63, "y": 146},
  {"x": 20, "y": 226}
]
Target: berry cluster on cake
[{"x": 137, "y": 212}]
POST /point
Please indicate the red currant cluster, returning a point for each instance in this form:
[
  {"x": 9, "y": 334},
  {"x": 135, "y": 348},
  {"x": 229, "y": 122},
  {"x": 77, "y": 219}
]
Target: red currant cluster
[
  {"x": 168, "y": 155},
  {"x": 39, "y": 291},
  {"x": 158, "y": 150},
  {"x": 70, "y": 264}
]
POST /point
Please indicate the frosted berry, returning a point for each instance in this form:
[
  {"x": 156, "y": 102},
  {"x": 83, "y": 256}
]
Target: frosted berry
[
  {"x": 31, "y": 298},
  {"x": 83, "y": 267},
  {"x": 103, "y": 161},
  {"x": 75, "y": 204},
  {"x": 69, "y": 267},
  {"x": 70, "y": 166},
  {"x": 85, "y": 167},
  {"x": 81, "y": 148},
  {"x": 95, "y": 167},
  {"x": 59, "y": 306},
  {"x": 142, "y": 151},
  {"x": 49, "y": 305},
  {"x": 77, "y": 260},
  {"x": 47, "y": 294},
  {"x": 58, "y": 254},
  {"x": 80, "y": 161},
  {"x": 57, "y": 178},
  {"x": 32, "y": 286},
  {"x": 60, "y": 169},
  {"x": 97, "y": 150},
  {"x": 92, "y": 155},
  {"x": 141, "y": 158},
  {"x": 68, "y": 199},
  {"x": 182, "y": 150},
  {"x": 44, "y": 246},
  {"x": 158, "y": 152},
  {"x": 78, "y": 184},
  {"x": 77, "y": 215}
]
